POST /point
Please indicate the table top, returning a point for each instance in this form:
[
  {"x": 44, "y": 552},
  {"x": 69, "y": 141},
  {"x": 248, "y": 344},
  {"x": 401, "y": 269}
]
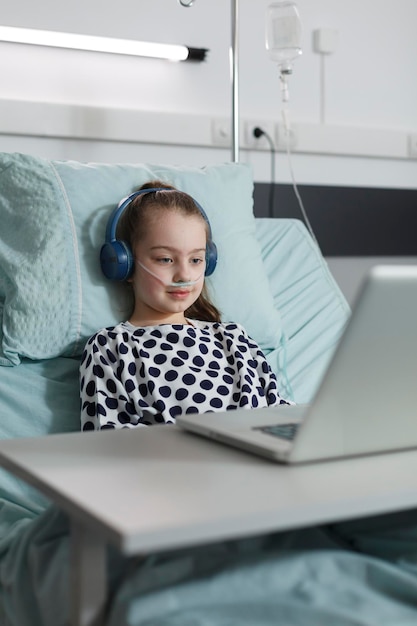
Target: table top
[{"x": 158, "y": 488}]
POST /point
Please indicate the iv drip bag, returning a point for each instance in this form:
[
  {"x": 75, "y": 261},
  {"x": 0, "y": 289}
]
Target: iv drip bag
[{"x": 283, "y": 33}]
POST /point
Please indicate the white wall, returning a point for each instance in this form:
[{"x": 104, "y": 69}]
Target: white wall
[{"x": 369, "y": 81}]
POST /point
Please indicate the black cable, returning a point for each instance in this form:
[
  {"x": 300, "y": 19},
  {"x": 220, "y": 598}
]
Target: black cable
[{"x": 259, "y": 132}]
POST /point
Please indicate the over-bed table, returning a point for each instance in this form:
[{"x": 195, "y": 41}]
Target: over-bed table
[{"x": 198, "y": 492}]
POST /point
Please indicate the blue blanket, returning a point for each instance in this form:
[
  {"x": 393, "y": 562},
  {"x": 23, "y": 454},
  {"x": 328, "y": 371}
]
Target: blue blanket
[{"x": 359, "y": 573}]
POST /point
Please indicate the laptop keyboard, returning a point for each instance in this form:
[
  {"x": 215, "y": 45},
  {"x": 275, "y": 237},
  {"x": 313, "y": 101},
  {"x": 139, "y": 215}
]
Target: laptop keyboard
[{"x": 284, "y": 431}]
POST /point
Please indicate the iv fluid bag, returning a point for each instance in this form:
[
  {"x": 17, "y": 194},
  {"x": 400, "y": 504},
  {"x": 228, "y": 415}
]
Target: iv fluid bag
[{"x": 283, "y": 33}]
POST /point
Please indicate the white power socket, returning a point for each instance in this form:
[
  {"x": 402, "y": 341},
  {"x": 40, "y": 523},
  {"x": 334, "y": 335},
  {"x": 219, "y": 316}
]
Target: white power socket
[
  {"x": 325, "y": 40},
  {"x": 412, "y": 145},
  {"x": 258, "y": 143},
  {"x": 285, "y": 139},
  {"x": 221, "y": 132}
]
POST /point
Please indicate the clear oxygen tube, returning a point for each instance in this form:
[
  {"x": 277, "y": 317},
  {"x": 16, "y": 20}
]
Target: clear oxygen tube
[{"x": 181, "y": 283}]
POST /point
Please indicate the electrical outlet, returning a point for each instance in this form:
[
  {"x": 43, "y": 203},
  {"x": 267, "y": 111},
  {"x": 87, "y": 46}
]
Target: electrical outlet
[
  {"x": 325, "y": 40},
  {"x": 221, "y": 132},
  {"x": 285, "y": 139},
  {"x": 412, "y": 145},
  {"x": 259, "y": 143}
]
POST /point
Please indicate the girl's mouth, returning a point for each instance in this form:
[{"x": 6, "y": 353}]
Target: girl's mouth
[{"x": 179, "y": 293}]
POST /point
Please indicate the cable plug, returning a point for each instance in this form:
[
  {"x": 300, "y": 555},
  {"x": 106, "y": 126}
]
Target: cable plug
[{"x": 258, "y": 132}]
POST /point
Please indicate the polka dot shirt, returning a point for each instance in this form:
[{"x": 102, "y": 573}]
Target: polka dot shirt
[{"x": 138, "y": 376}]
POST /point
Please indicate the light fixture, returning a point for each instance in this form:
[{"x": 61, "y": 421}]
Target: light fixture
[{"x": 101, "y": 44}]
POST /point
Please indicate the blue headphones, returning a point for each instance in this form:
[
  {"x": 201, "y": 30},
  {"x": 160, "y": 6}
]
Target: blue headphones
[{"x": 116, "y": 257}]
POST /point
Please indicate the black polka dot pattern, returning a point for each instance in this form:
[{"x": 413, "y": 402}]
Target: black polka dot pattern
[{"x": 132, "y": 377}]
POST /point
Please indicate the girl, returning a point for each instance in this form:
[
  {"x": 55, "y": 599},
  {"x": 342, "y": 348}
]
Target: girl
[{"x": 173, "y": 355}]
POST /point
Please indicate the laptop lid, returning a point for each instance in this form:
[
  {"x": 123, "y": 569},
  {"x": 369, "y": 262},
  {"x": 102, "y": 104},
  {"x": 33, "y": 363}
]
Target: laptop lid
[{"x": 367, "y": 401}]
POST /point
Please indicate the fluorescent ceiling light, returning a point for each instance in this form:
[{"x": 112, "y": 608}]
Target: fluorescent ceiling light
[{"x": 101, "y": 44}]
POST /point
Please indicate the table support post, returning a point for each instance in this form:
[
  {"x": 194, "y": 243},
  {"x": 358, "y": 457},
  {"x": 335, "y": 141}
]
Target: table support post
[{"x": 88, "y": 577}]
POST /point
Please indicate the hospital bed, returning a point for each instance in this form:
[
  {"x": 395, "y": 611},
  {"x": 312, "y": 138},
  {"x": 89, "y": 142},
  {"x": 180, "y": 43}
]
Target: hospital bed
[{"x": 272, "y": 278}]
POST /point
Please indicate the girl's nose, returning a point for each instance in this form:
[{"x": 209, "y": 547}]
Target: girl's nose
[{"x": 182, "y": 271}]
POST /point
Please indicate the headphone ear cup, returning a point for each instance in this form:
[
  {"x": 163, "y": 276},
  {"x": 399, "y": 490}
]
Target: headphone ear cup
[
  {"x": 211, "y": 258},
  {"x": 116, "y": 260}
]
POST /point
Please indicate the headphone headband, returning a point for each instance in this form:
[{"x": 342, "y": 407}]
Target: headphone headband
[{"x": 116, "y": 257}]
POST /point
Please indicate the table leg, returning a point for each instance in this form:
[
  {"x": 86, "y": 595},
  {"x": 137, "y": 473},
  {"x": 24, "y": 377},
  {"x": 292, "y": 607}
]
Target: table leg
[{"x": 88, "y": 576}]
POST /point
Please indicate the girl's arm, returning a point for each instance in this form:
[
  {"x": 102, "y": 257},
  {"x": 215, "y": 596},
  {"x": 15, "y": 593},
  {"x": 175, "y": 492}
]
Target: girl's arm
[
  {"x": 105, "y": 400},
  {"x": 265, "y": 373}
]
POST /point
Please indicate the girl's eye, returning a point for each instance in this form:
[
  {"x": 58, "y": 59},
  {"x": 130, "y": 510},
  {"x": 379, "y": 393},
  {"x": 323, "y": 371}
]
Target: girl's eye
[
  {"x": 196, "y": 261},
  {"x": 164, "y": 260}
]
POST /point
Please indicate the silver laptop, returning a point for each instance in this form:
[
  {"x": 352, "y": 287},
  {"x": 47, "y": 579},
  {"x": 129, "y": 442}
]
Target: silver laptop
[{"x": 367, "y": 400}]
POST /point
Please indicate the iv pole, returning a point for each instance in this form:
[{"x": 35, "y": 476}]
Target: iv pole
[
  {"x": 234, "y": 71},
  {"x": 234, "y": 74}
]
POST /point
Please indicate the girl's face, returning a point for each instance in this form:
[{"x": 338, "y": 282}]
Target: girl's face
[{"x": 173, "y": 250}]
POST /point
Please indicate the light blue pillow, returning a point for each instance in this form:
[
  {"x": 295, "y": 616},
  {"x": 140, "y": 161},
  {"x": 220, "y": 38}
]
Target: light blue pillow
[{"x": 53, "y": 216}]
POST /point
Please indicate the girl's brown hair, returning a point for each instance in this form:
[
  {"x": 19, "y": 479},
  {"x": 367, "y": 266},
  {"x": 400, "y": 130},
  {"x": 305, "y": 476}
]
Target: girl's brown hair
[{"x": 132, "y": 227}]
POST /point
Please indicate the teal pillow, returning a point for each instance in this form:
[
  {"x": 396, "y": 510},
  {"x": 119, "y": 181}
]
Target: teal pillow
[{"x": 53, "y": 216}]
